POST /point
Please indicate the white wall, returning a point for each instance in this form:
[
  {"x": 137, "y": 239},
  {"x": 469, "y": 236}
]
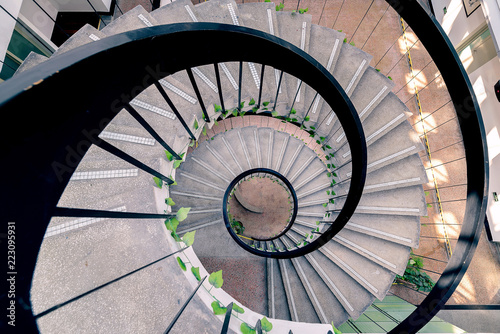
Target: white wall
[
  {"x": 455, "y": 22},
  {"x": 7, "y": 24},
  {"x": 38, "y": 18},
  {"x": 491, "y": 10},
  {"x": 483, "y": 80}
]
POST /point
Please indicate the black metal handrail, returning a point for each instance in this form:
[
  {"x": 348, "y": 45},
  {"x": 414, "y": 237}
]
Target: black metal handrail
[
  {"x": 225, "y": 211},
  {"x": 49, "y": 155},
  {"x": 441, "y": 50}
]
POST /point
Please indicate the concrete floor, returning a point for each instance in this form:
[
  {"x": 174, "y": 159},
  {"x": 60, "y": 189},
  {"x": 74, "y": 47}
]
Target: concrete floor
[{"x": 379, "y": 34}]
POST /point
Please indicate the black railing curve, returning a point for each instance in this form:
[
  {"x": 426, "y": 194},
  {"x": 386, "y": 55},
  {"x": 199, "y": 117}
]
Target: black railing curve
[{"x": 47, "y": 156}]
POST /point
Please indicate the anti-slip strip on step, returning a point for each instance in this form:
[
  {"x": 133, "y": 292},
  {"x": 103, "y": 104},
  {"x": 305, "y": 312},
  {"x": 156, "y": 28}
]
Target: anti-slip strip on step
[
  {"x": 177, "y": 91},
  {"x": 152, "y": 108},
  {"x": 392, "y": 183},
  {"x": 94, "y": 37},
  {"x": 206, "y": 80},
  {"x": 104, "y": 174},
  {"x": 145, "y": 20},
  {"x": 181, "y": 231},
  {"x": 365, "y": 251},
  {"x": 406, "y": 150},
  {"x": 376, "y": 133},
  {"x": 392, "y": 236},
  {"x": 127, "y": 138},
  {"x": 77, "y": 223},
  {"x": 358, "y": 71}
]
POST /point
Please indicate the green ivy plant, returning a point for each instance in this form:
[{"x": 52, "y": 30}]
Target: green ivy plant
[{"x": 414, "y": 276}]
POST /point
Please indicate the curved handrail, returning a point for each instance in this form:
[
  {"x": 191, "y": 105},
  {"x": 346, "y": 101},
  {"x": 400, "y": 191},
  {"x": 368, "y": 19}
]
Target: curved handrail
[
  {"x": 225, "y": 215},
  {"x": 460, "y": 89},
  {"x": 32, "y": 148}
]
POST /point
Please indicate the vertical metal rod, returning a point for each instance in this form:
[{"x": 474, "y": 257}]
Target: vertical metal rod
[
  {"x": 174, "y": 109},
  {"x": 149, "y": 129},
  {"x": 258, "y": 327},
  {"x": 295, "y": 97},
  {"x": 227, "y": 318},
  {"x": 219, "y": 87},
  {"x": 183, "y": 307},
  {"x": 239, "y": 87},
  {"x": 278, "y": 91},
  {"x": 131, "y": 160},
  {"x": 261, "y": 84},
  {"x": 95, "y": 11},
  {"x": 53, "y": 308},
  {"x": 371, "y": 33},
  {"x": 309, "y": 109},
  {"x": 50, "y": 17},
  {"x": 116, "y": 4},
  {"x": 198, "y": 95},
  {"x": 362, "y": 19}
]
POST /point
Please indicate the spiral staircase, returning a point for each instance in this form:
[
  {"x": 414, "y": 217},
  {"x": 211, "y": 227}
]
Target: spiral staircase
[{"x": 343, "y": 248}]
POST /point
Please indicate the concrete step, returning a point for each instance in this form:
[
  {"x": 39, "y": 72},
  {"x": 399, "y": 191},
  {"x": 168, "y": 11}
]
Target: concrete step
[
  {"x": 266, "y": 140},
  {"x": 30, "y": 61},
  {"x": 401, "y": 201},
  {"x": 80, "y": 267},
  {"x": 262, "y": 17},
  {"x": 324, "y": 46},
  {"x": 370, "y": 91},
  {"x": 249, "y": 135},
  {"x": 406, "y": 172},
  {"x": 389, "y": 255},
  {"x": 295, "y": 29},
  {"x": 399, "y": 143},
  {"x": 83, "y": 36},
  {"x": 374, "y": 278},
  {"x": 135, "y": 18},
  {"x": 404, "y": 230},
  {"x": 224, "y": 11},
  {"x": 277, "y": 300},
  {"x": 350, "y": 298},
  {"x": 311, "y": 172},
  {"x": 299, "y": 304},
  {"x": 326, "y": 304}
]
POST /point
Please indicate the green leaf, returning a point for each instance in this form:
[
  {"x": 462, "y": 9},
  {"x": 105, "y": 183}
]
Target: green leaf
[
  {"x": 182, "y": 214},
  {"x": 352, "y": 43},
  {"x": 335, "y": 330},
  {"x": 169, "y": 201},
  {"x": 177, "y": 163},
  {"x": 252, "y": 102},
  {"x": 333, "y": 193},
  {"x": 218, "y": 310},
  {"x": 318, "y": 222},
  {"x": 175, "y": 236},
  {"x": 171, "y": 224},
  {"x": 280, "y": 7},
  {"x": 429, "y": 205},
  {"x": 334, "y": 174},
  {"x": 265, "y": 104},
  {"x": 274, "y": 113},
  {"x": 302, "y": 11},
  {"x": 328, "y": 147},
  {"x": 235, "y": 112},
  {"x": 181, "y": 264},
  {"x": 188, "y": 238},
  {"x": 170, "y": 157},
  {"x": 204, "y": 132},
  {"x": 238, "y": 309},
  {"x": 196, "y": 273},
  {"x": 329, "y": 174},
  {"x": 426, "y": 193},
  {"x": 191, "y": 144},
  {"x": 339, "y": 30},
  {"x": 255, "y": 109},
  {"x": 322, "y": 139},
  {"x": 293, "y": 111},
  {"x": 266, "y": 325},
  {"x": 196, "y": 125},
  {"x": 312, "y": 128},
  {"x": 242, "y": 113},
  {"x": 242, "y": 104},
  {"x": 345, "y": 40},
  {"x": 378, "y": 70},
  {"x": 216, "y": 279},
  {"x": 244, "y": 328},
  {"x": 158, "y": 181},
  {"x": 217, "y": 108},
  {"x": 390, "y": 78},
  {"x": 307, "y": 118},
  {"x": 267, "y": 0},
  {"x": 325, "y": 204}
]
